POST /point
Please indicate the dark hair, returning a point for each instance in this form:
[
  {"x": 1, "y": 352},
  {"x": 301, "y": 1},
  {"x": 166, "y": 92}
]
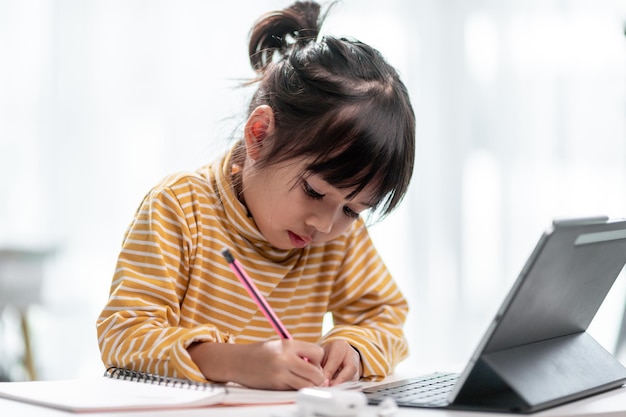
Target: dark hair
[{"x": 336, "y": 101}]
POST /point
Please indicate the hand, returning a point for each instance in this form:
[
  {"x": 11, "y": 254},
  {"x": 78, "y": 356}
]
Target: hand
[
  {"x": 277, "y": 364},
  {"x": 341, "y": 363}
]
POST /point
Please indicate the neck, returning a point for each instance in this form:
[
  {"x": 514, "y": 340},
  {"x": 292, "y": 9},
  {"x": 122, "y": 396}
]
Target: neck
[{"x": 236, "y": 176}]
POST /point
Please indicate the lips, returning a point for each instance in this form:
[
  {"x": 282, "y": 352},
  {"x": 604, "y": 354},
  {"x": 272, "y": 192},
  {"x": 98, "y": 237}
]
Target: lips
[{"x": 297, "y": 240}]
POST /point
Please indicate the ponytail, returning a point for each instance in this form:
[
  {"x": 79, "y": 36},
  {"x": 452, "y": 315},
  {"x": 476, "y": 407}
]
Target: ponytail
[{"x": 275, "y": 34}]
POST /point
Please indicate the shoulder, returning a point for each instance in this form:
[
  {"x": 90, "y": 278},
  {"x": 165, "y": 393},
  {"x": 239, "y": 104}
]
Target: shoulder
[
  {"x": 357, "y": 232},
  {"x": 355, "y": 238},
  {"x": 185, "y": 183},
  {"x": 187, "y": 193},
  {"x": 186, "y": 180},
  {"x": 359, "y": 247}
]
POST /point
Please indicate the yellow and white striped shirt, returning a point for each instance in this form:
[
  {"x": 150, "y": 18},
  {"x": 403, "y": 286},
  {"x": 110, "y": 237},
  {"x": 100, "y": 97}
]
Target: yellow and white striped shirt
[{"x": 172, "y": 287}]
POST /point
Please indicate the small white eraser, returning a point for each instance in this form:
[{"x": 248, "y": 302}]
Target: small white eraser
[{"x": 330, "y": 403}]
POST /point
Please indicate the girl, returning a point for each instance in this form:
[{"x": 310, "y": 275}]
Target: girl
[{"x": 329, "y": 136}]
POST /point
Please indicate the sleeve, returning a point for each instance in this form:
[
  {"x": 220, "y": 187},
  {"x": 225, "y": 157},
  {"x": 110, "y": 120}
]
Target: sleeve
[
  {"x": 368, "y": 308},
  {"x": 139, "y": 325}
]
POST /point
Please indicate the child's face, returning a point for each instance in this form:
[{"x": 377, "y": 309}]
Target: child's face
[{"x": 292, "y": 211}]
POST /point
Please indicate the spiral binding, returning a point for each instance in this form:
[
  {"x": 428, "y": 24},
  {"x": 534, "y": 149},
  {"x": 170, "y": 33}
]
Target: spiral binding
[{"x": 148, "y": 378}]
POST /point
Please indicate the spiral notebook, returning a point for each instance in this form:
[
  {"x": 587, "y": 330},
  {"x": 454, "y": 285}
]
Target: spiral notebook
[{"x": 121, "y": 390}]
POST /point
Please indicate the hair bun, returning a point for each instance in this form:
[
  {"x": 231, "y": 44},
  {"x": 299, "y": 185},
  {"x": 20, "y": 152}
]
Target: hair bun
[{"x": 276, "y": 33}]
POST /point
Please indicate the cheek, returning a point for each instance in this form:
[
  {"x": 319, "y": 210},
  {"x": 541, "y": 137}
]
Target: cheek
[
  {"x": 339, "y": 228},
  {"x": 344, "y": 224},
  {"x": 285, "y": 206}
]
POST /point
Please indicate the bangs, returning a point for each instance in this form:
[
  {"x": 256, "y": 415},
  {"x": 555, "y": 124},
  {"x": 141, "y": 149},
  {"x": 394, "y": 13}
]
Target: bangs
[{"x": 362, "y": 146}]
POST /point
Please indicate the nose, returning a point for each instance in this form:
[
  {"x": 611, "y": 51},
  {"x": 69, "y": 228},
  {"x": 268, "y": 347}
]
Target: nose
[{"x": 321, "y": 221}]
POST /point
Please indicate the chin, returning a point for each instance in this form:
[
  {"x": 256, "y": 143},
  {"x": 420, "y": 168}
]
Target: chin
[
  {"x": 280, "y": 244},
  {"x": 285, "y": 246}
]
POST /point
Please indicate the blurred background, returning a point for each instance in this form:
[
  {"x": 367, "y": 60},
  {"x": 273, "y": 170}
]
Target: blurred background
[{"x": 521, "y": 118}]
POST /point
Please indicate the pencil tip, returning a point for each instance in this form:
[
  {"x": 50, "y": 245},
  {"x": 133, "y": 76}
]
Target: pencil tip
[{"x": 228, "y": 255}]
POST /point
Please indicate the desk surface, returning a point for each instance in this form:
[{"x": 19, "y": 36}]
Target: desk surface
[{"x": 608, "y": 404}]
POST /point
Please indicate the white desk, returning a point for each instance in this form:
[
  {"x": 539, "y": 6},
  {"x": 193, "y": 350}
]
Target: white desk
[{"x": 609, "y": 404}]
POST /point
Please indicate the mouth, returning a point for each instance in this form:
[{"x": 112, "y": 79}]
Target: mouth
[{"x": 297, "y": 240}]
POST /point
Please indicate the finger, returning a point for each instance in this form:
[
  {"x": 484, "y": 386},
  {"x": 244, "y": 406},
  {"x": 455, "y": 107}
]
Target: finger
[
  {"x": 332, "y": 363},
  {"x": 311, "y": 352},
  {"x": 304, "y": 374},
  {"x": 345, "y": 374}
]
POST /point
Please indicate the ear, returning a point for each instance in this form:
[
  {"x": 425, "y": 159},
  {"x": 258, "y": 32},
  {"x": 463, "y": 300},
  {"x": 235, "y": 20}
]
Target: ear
[{"x": 259, "y": 126}]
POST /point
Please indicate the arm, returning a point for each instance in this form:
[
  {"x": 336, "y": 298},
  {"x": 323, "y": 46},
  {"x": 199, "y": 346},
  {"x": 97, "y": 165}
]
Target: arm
[
  {"x": 140, "y": 326},
  {"x": 368, "y": 308}
]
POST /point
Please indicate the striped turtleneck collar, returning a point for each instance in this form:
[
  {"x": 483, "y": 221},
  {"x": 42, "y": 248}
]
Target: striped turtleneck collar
[{"x": 238, "y": 218}]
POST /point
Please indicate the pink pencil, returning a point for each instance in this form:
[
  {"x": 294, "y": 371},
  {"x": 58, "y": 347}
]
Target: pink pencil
[{"x": 256, "y": 295}]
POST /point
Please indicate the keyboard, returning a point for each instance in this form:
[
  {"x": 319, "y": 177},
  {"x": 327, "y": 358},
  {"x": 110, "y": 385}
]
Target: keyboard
[{"x": 430, "y": 390}]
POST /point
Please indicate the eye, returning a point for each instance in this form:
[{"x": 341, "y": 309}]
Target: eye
[
  {"x": 308, "y": 190},
  {"x": 350, "y": 213}
]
